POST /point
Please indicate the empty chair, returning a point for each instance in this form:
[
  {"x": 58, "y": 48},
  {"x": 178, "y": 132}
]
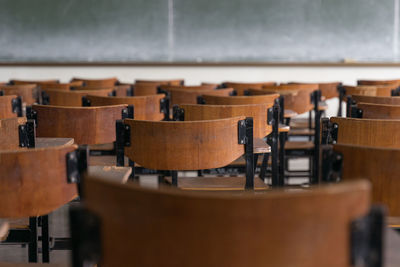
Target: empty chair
[
  {"x": 60, "y": 86},
  {"x": 241, "y": 87},
  {"x": 162, "y": 82},
  {"x": 87, "y": 125},
  {"x": 267, "y": 99},
  {"x": 103, "y": 83},
  {"x": 150, "y": 87},
  {"x": 27, "y": 92},
  {"x": 10, "y": 106},
  {"x": 378, "y": 82},
  {"x": 203, "y": 229},
  {"x": 328, "y": 89},
  {"x": 385, "y": 100},
  {"x": 57, "y": 97},
  {"x": 37, "y": 82},
  {"x": 16, "y": 133},
  {"x": 375, "y": 111},
  {"x": 145, "y": 107},
  {"x": 188, "y": 87},
  {"x": 184, "y": 96}
]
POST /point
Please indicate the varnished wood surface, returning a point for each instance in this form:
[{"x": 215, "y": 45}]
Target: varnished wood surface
[
  {"x": 112, "y": 173},
  {"x": 6, "y": 107},
  {"x": 87, "y": 125},
  {"x": 60, "y": 86},
  {"x": 27, "y": 92},
  {"x": 283, "y": 128},
  {"x": 9, "y": 136},
  {"x": 107, "y": 82},
  {"x": 187, "y": 145},
  {"x": 43, "y": 142},
  {"x": 368, "y": 132},
  {"x": 33, "y": 182},
  {"x": 288, "y": 113},
  {"x": 369, "y": 90},
  {"x": 329, "y": 90},
  {"x": 188, "y": 87},
  {"x": 378, "y": 82},
  {"x": 211, "y": 112},
  {"x": 260, "y": 146},
  {"x": 183, "y": 96},
  {"x": 240, "y": 87},
  {"x": 379, "y": 111},
  {"x": 295, "y": 145},
  {"x": 162, "y": 82},
  {"x": 72, "y": 98},
  {"x": 145, "y": 107},
  {"x": 217, "y": 183},
  {"x": 389, "y": 100},
  {"x": 267, "y": 99},
  {"x": 37, "y": 82},
  {"x": 4, "y": 227},
  {"x": 208, "y": 229},
  {"x": 379, "y": 165}
]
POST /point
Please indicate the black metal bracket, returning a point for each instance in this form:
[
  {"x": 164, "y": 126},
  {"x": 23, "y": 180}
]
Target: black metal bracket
[
  {"x": 130, "y": 91},
  {"x": 282, "y": 106},
  {"x": 164, "y": 107},
  {"x": 31, "y": 114},
  {"x": 356, "y": 112},
  {"x": 16, "y": 106},
  {"x": 342, "y": 93},
  {"x": 329, "y": 132},
  {"x": 85, "y": 237},
  {"x": 332, "y": 164},
  {"x": 85, "y": 102},
  {"x": 27, "y": 134},
  {"x": 395, "y": 92},
  {"x": 178, "y": 114},
  {"x": 128, "y": 113},
  {"x": 200, "y": 100},
  {"x": 272, "y": 140},
  {"x": 367, "y": 238},
  {"x": 123, "y": 133},
  {"x": 242, "y": 132},
  {"x": 247, "y": 140},
  {"x": 270, "y": 116},
  {"x": 45, "y": 98},
  {"x": 77, "y": 163},
  {"x": 1, "y": 92},
  {"x": 113, "y": 93},
  {"x": 317, "y": 138}
]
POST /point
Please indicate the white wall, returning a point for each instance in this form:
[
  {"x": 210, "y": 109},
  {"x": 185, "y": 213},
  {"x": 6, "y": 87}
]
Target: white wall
[{"x": 196, "y": 74}]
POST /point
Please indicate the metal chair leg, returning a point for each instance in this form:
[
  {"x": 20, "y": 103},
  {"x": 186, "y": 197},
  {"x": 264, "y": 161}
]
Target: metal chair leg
[
  {"x": 264, "y": 166},
  {"x": 45, "y": 239},
  {"x": 33, "y": 244}
]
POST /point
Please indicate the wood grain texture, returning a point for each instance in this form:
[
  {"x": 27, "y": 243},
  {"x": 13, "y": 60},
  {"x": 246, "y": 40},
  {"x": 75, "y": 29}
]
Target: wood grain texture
[
  {"x": 240, "y": 87},
  {"x": 161, "y": 82},
  {"x": 266, "y": 99},
  {"x": 186, "y": 87},
  {"x": 33, "y": 182},
  {"x": 328, "y": 89},
  {"x": 37, "y": 82},
  {"x": 107, "y": 82},
  {"x": 379, "y": 82},
  {"x": 377, "y": 165},
  {"x": 393, "y": 100},
  {"x": 87, "y": 125},
  {"x": 187, "y": 145},
  {"x": 216, "y": 183},
  {"x": 145, "y": 107},
  {"x": 368, "y": 132},
  {"x": 60, "y": 86},
  {"x": 367, "y": 90},
  {"x": 27, "y": 92},
  {"x": 226, "y": 229},
  {"x": 6, "y": 107},
  {"x": 183, "y": 96},
  {"x": 9, "y": 137},
  {"x": 379, "y": 111},
  {"x": 259, "y": 113},
  {"x": 72, "y": 98},
  {"x": 142, "y": 89}
]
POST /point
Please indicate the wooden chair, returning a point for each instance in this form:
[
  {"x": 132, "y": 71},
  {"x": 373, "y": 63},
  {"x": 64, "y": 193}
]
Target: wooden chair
[
  {"x": 191, "y": 145},
  {"x": 87, "y": 125},
  {"x": 104, "y": 83},
  {"x": 385, "y": 100},
  {"x": 61, "y": 86},
  {"x": 328, "y": 89},
  {"x": 56, "y": 97},
  {"x": 145, "y": 107},
  {"x": 37, "y": 82},
  {"x": 151, "y": 87},
  {"x": 162, "y": 82},
  {"x": 378, "y": 82},
  {"x": 10, "y": 106},
  {"x": 184, "y": 96},
  {"x": 187, "y": 87},
  {"x": 27, "y": 92},
  {"x": 16, "y": 133},
  {"x": 241, "y": 87},
  {"x": 375, "y": 111},
  {"x": 204, "y": 229}
]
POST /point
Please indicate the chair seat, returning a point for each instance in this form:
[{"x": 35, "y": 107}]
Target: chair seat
[
  {"x": 299, "y": 145},
  {"x": 300, "y": 123},
  {"x": 301, "y": 132},
  {"x": 216, "y": 183},
  {"x": 260, "y": 146}
]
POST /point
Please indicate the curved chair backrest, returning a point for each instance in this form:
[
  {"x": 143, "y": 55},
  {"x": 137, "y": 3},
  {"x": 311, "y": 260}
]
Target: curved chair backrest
[
  {"x": 9, "y": 136},
  {"x": 27, "y": 92},
  {"x": 6, "y": 108},
  {"x": 369, "y": 90},
  {"x": 240, "y": 87},
  {"x": 266, "y": 99},
  {"x": 184, "y": 145},
  {"x": 72, "y": 98},
  {"x": 378, "y": 111},
  {"x": 379, "y": 165},
  {"x": 108, "y": 82},
  {"x": 378, "y": 82},
  {"x": 259, "y": 113},
  {"x": 186, "y": 87},
  {"x": 87, "y": 125},
  {"x": 162, "y": 82},
  {"x": 145, "y": 107},
  {"x": 368, "y": 132},
  {"x": 142, "y": 89},
  {"x": 34, "y": 181},
  {"x": 328, "y": 89},
  {"x": 37, "y": 82},
  {"x": 233, "y": 230},
  {"x": 386, "y": 100},
  {"x": 184, "y": 96},
  {"x": 60, "y": 86}
]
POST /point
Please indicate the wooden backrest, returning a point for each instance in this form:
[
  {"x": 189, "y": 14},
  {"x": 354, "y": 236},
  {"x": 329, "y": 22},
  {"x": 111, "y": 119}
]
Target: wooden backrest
[
  {"x": 184, "y": 96},
  {"x": 184, "y": 145},
  {"x": 142, "y": 89},
  {"x": 186, "y": 87},
  {"x": 368, "y": 132},
  {"x": 145, "y": 107},
  {"x": 107, "y": 82},
  {"x": 72, "y": 98},
  {"x": 379, "y": 165},
  {"x": 328, "y": 89},
  {"x": 240, "y": 87},
  {"x": 379, "y": 111},
  {"x": 9, "y": 136},
  {"x": 366, "y": 90},
  {"x": 162, "y": 82},
  {"x": 37, "y": 82},
  {"x": 60, "y": 86},
  {"x": 235, "y": 230},
  {"x": 267, "y": 99},
  {"x": 393, "y": 100},
  {"x": 6, "y": 110},
  {"x": 27, "y": 92},
  {"x": 259, "y": 113},
  {"x": 33, "y": 181},
  {"x": 87, "y": 125},
  {"x": 378, "y": 82}
]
